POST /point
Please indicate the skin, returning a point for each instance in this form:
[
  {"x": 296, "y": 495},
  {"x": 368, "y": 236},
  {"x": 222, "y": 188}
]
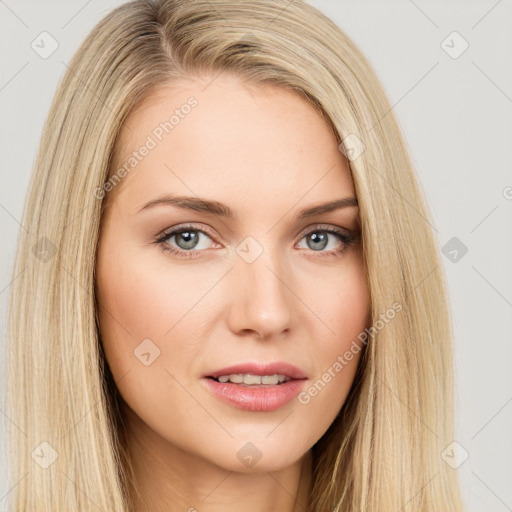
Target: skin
[{"x": 266, "y": 153}]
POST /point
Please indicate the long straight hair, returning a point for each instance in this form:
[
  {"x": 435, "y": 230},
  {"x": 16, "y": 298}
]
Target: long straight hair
[{"x": 67, "y": 444}]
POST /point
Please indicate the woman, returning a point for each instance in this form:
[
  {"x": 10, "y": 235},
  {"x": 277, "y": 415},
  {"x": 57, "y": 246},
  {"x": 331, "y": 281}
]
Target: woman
[{"x": 234, "y": 293}]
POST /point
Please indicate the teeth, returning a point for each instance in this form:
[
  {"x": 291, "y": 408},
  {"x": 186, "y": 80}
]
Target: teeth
[{"x": 250, "y": 379}]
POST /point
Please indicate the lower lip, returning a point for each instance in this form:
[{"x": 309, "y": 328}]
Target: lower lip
[{"x": 260, "y": 399}]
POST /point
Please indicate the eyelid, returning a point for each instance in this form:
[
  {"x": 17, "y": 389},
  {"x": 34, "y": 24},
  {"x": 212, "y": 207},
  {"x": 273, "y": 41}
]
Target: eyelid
[
  {"x": 166, "y": 233},
  {"x": 325, "y": 227},
  {"x": 346, "y": 236}
]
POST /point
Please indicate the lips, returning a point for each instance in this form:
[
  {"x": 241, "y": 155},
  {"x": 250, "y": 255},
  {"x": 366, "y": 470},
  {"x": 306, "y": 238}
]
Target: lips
[
  {"x": 256, "y": 398},
  {"x": 282, "y": 368}
]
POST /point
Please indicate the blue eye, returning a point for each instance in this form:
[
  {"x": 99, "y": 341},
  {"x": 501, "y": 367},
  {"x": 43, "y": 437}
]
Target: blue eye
[
  {"x": 188, "y": 237},
  {"x": 189, "y": 240},
  {"x": 318, "y": 239}
]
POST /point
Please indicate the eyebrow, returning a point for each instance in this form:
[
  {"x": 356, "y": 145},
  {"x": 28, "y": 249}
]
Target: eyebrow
[{"x": 215, "y": 208}]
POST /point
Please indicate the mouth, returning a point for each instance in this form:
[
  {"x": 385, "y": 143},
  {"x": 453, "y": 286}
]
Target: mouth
[{"x": 256, "y": 387}]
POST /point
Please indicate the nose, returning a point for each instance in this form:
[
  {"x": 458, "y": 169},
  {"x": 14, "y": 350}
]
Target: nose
[{"x": 261, "y": 297}]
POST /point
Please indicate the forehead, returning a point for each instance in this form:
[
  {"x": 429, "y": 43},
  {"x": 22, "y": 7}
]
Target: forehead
[{"x": 228, "y": 140}]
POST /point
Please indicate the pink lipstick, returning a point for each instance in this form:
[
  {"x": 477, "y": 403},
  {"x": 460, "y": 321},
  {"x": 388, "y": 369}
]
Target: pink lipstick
[{"x": 255, "y": 386}]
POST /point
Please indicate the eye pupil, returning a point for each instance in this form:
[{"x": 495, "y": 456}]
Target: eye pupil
[
  {"x": 189, "y": 238},
  {"x": 320, "y": 239}
]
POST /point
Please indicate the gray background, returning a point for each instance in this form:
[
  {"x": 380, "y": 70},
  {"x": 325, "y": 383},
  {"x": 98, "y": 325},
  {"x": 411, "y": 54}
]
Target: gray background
[{"x": 455, "y": 112}]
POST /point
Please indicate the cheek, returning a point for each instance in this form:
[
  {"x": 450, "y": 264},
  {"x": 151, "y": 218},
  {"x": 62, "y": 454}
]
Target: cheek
[
  {"x": 139, "y": 297},
  {"x": 344, "y": 307},
  {"x": 345, "y": 310},
  {"x": 142, "y": 297},
  {"x": 138, "y": 306}
]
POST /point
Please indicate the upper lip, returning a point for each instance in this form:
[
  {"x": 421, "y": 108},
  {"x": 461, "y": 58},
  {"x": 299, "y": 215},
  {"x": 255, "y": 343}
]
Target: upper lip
[{"x": 261, "y": 369}]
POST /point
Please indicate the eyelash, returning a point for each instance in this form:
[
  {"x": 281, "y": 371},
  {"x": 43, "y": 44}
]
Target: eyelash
[{"x": 343, "y": 237}]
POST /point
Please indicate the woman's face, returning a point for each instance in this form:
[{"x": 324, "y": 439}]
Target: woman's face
[{"x": 263, "y": 285}]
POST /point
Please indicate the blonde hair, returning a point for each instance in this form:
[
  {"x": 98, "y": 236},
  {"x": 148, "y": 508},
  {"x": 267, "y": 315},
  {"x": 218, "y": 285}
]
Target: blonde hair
[{"x": 383, "y": 451}]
